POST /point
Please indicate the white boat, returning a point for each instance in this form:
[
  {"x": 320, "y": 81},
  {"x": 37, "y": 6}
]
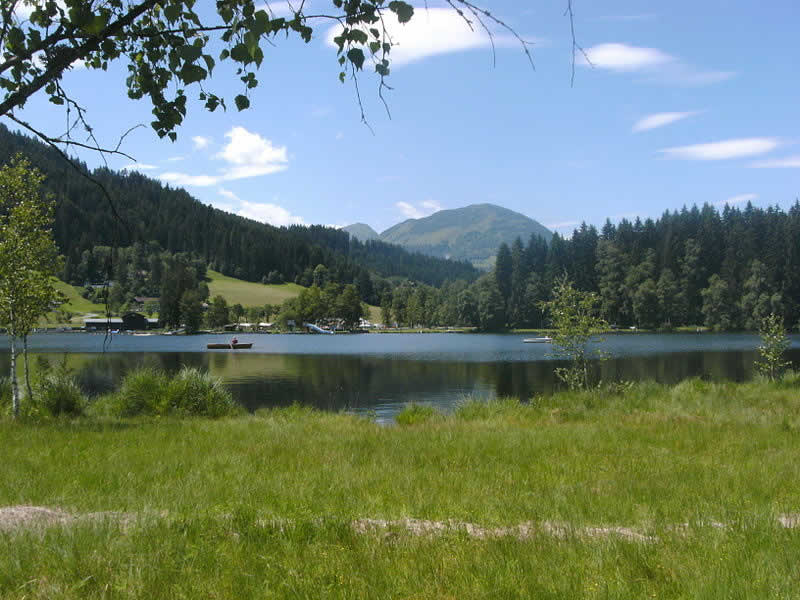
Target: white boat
[{"x": 539, "y": 340}]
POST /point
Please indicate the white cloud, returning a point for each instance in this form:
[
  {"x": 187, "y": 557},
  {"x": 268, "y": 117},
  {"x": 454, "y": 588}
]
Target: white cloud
[
  {"x": 658, "y": 66},
  {"x": 790, "y": 162},
  {"x": 432, "y": 31},
  {"x": 269, "y": 213},
  {"x": 424, "y": 209},
  {"x": 139, "y": 167},
  {"x": 200, "y": 142},
  {"x": 432, "y": 205},
  {"x": 621, "y": 57},
  {"x": 660, "y": 120},
  {"x": 184, "y": 179},
  {"x": 409, "y": 211},
  {"x": 249, "y": 150},
  {"x": 248, "y": 155},
  {"x": 175, "y": 158},
  {"x": 740, "y": 199},
  {"x": 229, "y": 194},
  {"x": 738, "y": 148}
]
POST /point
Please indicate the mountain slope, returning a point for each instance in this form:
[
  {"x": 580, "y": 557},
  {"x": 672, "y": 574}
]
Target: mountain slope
[
  {"x": 472, "y": 233},
  {"x": 146, "y": 211},
  {"x": 361, "y": 231}
]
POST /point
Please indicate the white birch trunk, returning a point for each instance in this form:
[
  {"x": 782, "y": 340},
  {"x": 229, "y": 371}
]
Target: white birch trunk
[{"x": 14, "y": 386}]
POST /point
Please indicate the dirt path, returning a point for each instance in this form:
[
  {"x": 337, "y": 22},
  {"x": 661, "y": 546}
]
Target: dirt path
[{"x": 22, "y": 517}]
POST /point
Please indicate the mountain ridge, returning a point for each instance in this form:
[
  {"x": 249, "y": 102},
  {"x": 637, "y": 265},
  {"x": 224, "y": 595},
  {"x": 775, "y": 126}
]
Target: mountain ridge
[{"x": 472, "y": 233}]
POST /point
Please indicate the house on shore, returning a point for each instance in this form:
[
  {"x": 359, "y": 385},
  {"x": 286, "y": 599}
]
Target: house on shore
[{"x": 131, "y": 321}]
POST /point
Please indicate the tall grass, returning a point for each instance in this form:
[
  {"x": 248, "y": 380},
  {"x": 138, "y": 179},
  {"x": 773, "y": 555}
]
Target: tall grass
[
  {"x": 264, "y": 505},
  {"x": 414, "y": 414},
  {"x": 150, "y": 392},
  {"x": 5, "y": 395},
  {"x": 58, "y": 395}
]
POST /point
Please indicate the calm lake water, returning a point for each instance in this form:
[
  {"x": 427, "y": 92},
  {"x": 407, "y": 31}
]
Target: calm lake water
[{"x": 381, "y": 373}]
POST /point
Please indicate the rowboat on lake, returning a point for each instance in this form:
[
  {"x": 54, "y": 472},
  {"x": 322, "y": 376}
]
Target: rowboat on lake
[
  {"x": 539, "y": 340},
  {"x": 229, "y": 346}
]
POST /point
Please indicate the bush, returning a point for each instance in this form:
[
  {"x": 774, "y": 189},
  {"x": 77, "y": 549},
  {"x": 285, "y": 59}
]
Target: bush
[
  {"x": 193, "y": 392},
  {"x": 414, "y": 414},
  {"x": 58, "y": 395},
  {"x": 150, "y": 392},
  {"x": 143, "y": 392}
]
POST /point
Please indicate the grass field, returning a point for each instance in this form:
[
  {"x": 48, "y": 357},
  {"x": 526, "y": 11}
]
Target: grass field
[
  {"x": 638, "y": 492},
  {"x": 75, "y": 303},
  {"x": 246, "y": 293}
]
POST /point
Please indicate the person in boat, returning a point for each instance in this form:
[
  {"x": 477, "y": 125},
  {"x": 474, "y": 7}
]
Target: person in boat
[{"x": 234, "y": 341}]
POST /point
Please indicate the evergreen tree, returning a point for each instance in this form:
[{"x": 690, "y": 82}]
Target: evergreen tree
[
  {"x": 670, "y": 303},
  {"x": 503, "y": 271},
  {"x": 611, "y": 281},
  {"x": 491, "y": 308}
]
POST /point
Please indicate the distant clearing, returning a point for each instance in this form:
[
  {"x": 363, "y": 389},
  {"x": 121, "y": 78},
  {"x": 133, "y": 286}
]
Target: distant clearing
[{"x": 247, "y": 293}]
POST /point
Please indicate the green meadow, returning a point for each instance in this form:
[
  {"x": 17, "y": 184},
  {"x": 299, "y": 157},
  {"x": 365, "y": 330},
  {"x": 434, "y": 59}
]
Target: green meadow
[
  {"x": 246, "y": 293},
  {"x": 627, "y": 492}
]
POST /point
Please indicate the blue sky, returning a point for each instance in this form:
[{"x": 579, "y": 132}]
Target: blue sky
[{"x": 685, "y": 102}]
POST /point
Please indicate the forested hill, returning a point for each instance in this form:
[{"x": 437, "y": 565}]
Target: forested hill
[
  {"x": 470, "y": 233},
  {"x": 725, "y": 269},
  {"x": 236, "y": 246}
]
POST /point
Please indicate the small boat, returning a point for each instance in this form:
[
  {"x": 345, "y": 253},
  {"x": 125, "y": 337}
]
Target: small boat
[
  {"x": 229, "y": 346},
  {"x": 539, "y": 340}
]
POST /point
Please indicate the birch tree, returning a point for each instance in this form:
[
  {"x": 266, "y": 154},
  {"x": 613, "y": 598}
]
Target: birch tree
[{"x": 28, "y": 260}]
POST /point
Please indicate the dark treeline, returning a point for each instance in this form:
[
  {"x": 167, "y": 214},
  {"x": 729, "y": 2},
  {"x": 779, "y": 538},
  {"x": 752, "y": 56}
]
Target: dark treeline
[
  {"x": 723, "y": 269},
  {"x": 151, "y": 212}
]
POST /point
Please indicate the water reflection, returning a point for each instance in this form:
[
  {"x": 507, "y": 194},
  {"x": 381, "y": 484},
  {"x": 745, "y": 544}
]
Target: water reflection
[{"x": 384, "y": 385}]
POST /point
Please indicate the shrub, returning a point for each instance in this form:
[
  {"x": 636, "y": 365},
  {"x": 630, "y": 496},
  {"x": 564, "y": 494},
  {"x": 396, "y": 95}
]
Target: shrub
[
  {"x": 193, "y": 392},
  {"x": 58, "y": 395},
  {"x": 774, "y": 344},
  {"x": 414, "y": 414},
  {"x": 150, "y": 392},
  {"x": 143, "y": 392}
]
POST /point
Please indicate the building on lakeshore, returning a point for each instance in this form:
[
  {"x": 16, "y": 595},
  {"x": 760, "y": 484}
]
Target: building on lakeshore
[{"x": 130, "y": 321}]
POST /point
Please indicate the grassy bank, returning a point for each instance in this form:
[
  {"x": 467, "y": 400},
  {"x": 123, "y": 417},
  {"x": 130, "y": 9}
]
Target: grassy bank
[{"x": 695, "y": 478}]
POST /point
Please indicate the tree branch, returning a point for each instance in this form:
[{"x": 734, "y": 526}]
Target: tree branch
[{"x": 65, "y": 59}]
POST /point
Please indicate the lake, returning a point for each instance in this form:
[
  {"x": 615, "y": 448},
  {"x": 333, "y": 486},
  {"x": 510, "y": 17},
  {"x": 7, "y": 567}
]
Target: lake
[{"x": 380, "y": 373}]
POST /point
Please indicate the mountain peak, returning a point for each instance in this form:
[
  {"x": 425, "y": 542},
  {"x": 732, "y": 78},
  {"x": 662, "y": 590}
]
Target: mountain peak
[
  {"x": 361, "y": 231},
  {"x": 470, "y": 233}
]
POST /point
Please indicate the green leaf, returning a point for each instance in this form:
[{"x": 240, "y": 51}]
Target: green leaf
[
  {"x": 192, "y": 73},
  {"x": 242, "y": 102},
  {"x": 403, "y": 10},
  {"x": 190, "y": 53},
  {"x": 240, "y": 53},
  {"x": 97, "y": 24},
  {"x": 356, "y": 56}
]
